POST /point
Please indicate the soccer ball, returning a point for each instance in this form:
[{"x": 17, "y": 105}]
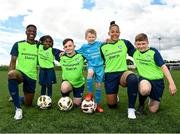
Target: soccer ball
[
  {"x": 44, "y": 102},
  {"x": 88, "y": 106},
  {"x": 65, "y": 103}
]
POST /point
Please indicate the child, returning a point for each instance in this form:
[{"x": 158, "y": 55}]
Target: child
[
  {"x": 95, "y": 67},
  {"x": 151, "y": 68},
  {"x": 114, "y": 54},
  {"x": 72, "y": 65},
  {"x": 46, "y": 56}
]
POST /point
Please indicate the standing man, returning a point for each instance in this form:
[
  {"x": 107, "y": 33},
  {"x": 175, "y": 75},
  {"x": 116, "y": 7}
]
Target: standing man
[{"x": 23, "y": 69}]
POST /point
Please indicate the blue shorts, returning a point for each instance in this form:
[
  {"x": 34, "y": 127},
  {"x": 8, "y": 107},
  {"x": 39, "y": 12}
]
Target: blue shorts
[
  {"x": 47, "y": 76},
  {"x": 112, "y": 82},
  {"x": 29, "y": 85},
  {"x": 98, "y": 73},
  {"x": 78, "y": 92},
  {"x": 157, "y": 88}
]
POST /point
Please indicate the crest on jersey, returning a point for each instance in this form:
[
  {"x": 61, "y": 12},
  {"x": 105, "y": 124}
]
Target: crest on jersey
[
  {"x": 148, "y": 57},
  {"x": 77, "y": 59},
  {"x": 120, "y": 47}
]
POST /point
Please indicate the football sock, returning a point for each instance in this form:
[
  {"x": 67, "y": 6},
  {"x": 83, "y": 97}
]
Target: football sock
[
  {"x": 132, "y": 89},
  {"x": 49, "y": 92},
  {"x": 90, "y": 85},
  {"x": 43, "y": 89},
  {"x": 142, "y": 99},
  {"x": 13, "y": 90},
  {"x": 21, "y": 100},
  {"x": 98, "y": 95}
]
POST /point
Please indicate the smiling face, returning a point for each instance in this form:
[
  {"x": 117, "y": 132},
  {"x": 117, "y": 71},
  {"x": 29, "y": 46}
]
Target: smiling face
[
  {"x": 91, "y": 38},
  {"x": 69, "y": 48},
  {"x": 141, "y": 42},
  {"x": 47, "y": 43},
  {"x": 31, "y": 34},
  {"x": 142, "y": 46},
  {"x": 114, "y": 33}
]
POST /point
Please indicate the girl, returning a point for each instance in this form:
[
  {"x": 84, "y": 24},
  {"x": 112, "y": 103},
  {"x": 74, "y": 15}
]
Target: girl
[{"x": 46, "y": 56}]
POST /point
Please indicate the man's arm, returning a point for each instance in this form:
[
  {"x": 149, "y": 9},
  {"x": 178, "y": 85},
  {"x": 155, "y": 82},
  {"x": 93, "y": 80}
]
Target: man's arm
[{"x": 12, "y": 65}]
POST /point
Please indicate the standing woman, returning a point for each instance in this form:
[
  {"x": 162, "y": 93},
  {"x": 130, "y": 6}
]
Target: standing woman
[{"x": 114, "y": 54}]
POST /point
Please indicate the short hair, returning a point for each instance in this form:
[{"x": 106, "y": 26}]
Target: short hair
[
  {"x": 113, "y": 23},
  {"x": 31, "y": 25},
  {"x": 92, "y": 31},
  {"x": 43, "y": 38},
  {"x": 66, "y": 40},
  {"x": 141, "y": 37}
]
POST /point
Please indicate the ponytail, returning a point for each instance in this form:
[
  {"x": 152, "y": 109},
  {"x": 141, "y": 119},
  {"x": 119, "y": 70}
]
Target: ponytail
[{"x": 113, "y": 23}]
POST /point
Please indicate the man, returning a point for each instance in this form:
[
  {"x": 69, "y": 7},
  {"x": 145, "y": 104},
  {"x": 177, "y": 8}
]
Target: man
[{"x": 23, "y": 69}]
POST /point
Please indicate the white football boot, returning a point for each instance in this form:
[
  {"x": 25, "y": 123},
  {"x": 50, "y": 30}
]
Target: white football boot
[
  {"x": 131, "y": 113},
  {"x": 18, "y": 115}
]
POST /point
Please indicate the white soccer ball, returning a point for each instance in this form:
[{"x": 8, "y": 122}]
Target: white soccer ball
[
  {"x": 44, "y": 102},
  {"x": 88, "y": 106},
  {"x": 65, "y": 103}
]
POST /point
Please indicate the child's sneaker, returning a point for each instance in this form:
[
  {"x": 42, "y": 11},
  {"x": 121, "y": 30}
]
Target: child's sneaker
[
  {"x": 99, "y": 108},
  {"x": 131, "y": 113},
  {"x": 18, "y": 114},
  {"x": 89, "y": 96}
]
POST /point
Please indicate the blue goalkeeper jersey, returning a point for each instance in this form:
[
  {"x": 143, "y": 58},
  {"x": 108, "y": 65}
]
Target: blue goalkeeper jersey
[{"x": 92, "y": 53}]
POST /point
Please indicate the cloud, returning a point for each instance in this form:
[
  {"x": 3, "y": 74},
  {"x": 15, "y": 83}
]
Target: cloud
[{"x": 70, "y": 18}]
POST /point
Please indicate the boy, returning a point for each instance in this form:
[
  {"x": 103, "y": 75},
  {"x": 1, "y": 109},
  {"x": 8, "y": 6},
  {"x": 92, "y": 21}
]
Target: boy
[
  {"x": 72, "y": 65},
  {"x": 151, "y": 68},
  {"x": 95, "y": 67}
]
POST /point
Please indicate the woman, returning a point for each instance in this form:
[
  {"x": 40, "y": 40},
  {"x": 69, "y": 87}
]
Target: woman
[{"x": 114, "y": 54}]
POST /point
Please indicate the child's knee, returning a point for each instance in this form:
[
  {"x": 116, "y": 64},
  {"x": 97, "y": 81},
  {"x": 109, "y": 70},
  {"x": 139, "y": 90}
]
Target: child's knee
[
  {"x": 153, "y": 109},
  {"x": 144, "y": 91},
  {"x": 144, "y": 87},
  {"x": 90, "y": 73},
  {"x": 154, "y": 106},
  {"x": 66, "y": 87}
]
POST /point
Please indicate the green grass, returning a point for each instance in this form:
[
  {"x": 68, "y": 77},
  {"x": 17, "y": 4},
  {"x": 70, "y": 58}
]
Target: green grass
[{"x": 111, "y": 121}]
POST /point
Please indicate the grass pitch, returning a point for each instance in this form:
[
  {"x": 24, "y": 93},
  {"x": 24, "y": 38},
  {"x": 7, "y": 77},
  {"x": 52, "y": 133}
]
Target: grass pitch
[{"x": 167, "y": 120}]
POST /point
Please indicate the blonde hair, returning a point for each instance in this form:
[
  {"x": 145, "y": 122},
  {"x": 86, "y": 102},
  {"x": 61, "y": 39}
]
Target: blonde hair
[{"x": 91, "y": 31}]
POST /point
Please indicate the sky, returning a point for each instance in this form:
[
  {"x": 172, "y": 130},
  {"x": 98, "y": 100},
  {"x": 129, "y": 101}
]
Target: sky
[{"x": 62, "y": 19}]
